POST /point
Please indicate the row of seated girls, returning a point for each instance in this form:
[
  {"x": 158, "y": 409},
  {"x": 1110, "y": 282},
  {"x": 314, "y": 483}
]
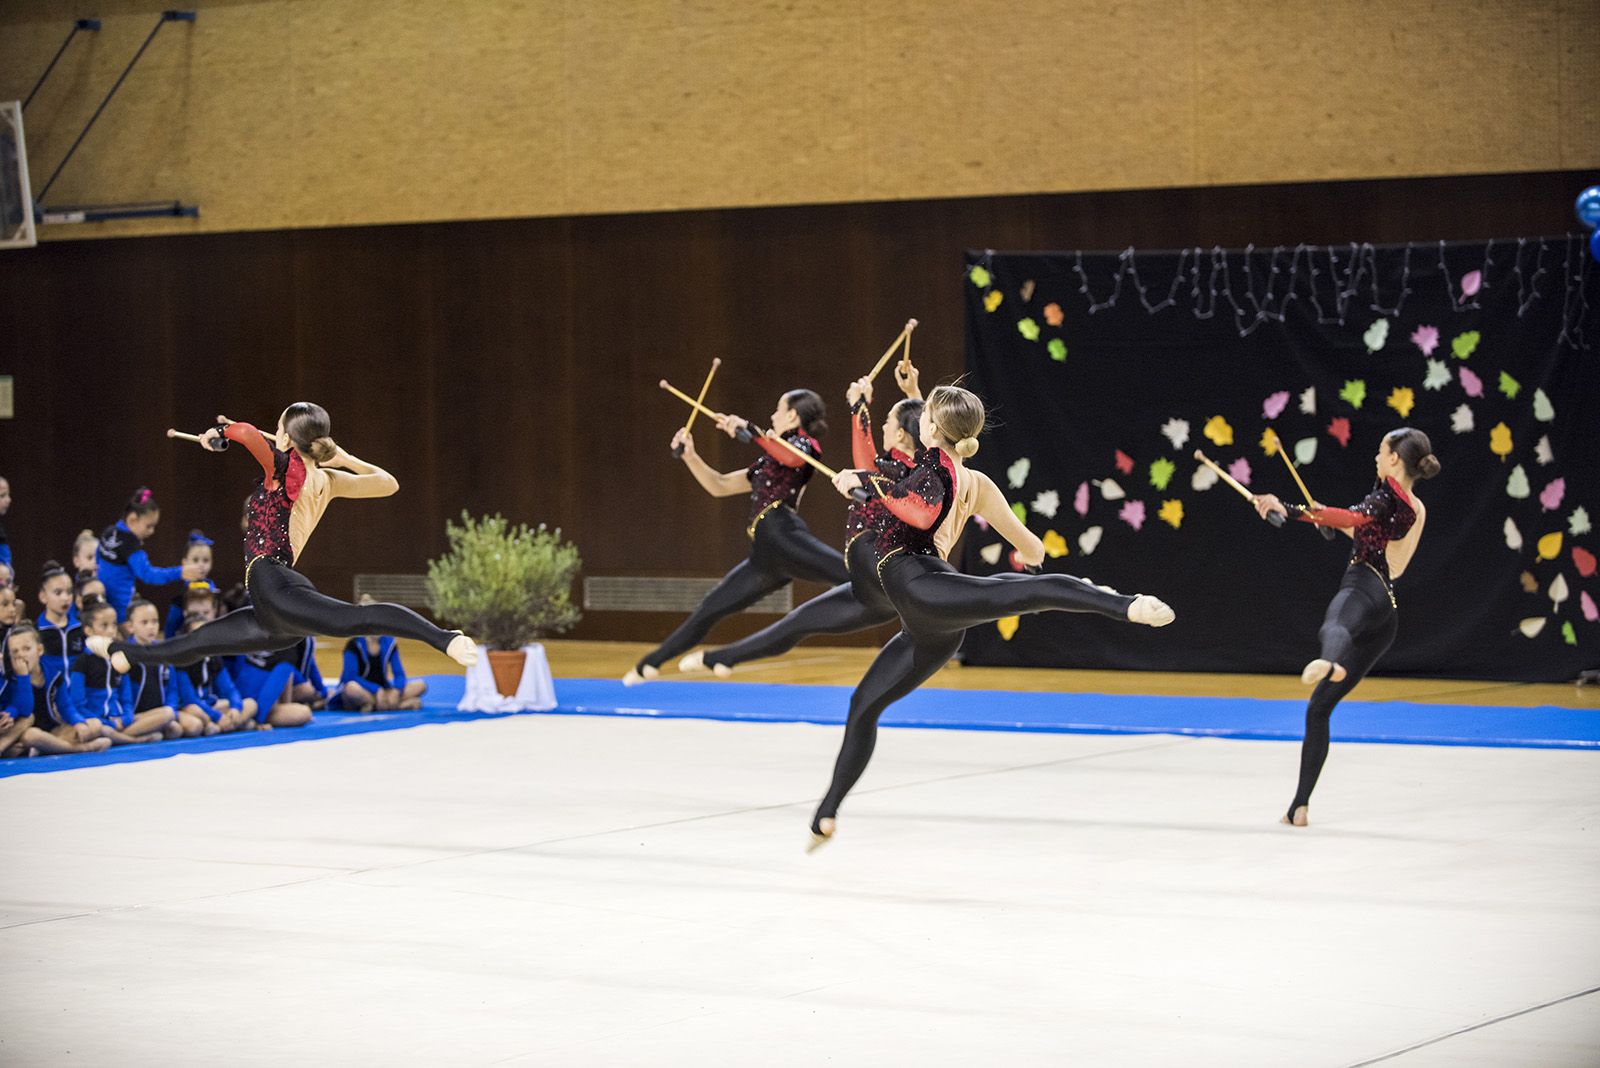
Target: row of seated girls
[{"x": 55, "y": 697}]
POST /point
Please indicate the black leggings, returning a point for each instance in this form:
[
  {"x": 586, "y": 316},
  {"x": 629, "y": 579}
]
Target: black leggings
[
  {"x": 848, "y": 607},
  {"x": 937, "y": 604},
  {"x": 784, "y": 549},
  {"x": 284, "y": 608},
  {"x": 1358, "y": 628}
]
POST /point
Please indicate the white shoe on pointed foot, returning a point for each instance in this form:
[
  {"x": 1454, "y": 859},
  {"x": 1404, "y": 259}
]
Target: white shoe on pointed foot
[
  {"x": 822, "y": 834},
  {"x": 1151, "y": 611},
  {"x": 463, "y": 650},
  {"x": 635, "y": 676},
  {"x": 1320, "y": 669},
  {"x": 693, "y": 663}
]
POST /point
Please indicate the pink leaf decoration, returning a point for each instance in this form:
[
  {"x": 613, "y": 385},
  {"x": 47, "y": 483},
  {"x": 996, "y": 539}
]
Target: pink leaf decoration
[
  {"x": 1471, "y": 383},
  {"x": 1124, "y": 462},
  {"x": 1240, "y": 470},
  {"x": 1426, "y": 338},
  {"x": 1550, "y": 496},
  {"x": 1273, "y": 406},
  {"x": 1590, "y": 612},
  {"x": 1080, "y": 500},
  {"x": 1132, "y": 514},
  {"x": 980, "y": 522},
  {"x": 1339, "y": 429},
  {"x": 1471, "y": 282}
]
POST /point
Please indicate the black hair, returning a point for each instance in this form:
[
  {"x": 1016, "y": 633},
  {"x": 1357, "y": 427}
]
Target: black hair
[
  {"x": 143, "y": 502},
  {"x": 92, "y": 607},
  {"x": 51, "y": 570},
  {"x": 812, "y": 410},
  {"x": 908, "y": 413},
  {"x": 308, "y": 427},
  {"x": 1414, "y": 450},
  {"x": 137, "y": 603}
]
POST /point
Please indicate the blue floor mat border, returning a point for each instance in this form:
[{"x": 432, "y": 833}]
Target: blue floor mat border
[{"x": 1386, "y": 722}]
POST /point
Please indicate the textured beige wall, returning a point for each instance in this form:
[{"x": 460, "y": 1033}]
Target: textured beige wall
[{"x": 331, "y": 112}]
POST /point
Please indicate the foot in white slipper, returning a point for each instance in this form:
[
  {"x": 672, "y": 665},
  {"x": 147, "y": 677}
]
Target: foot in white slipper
[
  {"x": 1151, "y": 611},
  {"x": 635, "y": 676},
  {"x": 694, "y": 662},
  {"x": 463, "y": 650},
  {"x": 1320, "y": 669}
]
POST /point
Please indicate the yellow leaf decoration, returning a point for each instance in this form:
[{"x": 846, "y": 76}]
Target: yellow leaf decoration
[
  {"x": 1007, "y": 626},
  {"x": 1172, "y": 513},
  {"x": 1500, "y": 440},
  {"x": 1550, "y": 546},
  {"x": 1269, "y": 441},
  {"x": 1055, "y": 546},
  {"x": 1218, "y": 430},
  {"x": 1402, "y": 399},
  {"x": 992, "y": 300}
]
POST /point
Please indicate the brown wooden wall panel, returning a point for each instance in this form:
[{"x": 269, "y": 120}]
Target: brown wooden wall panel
[
  {"x": 314, "y": 113},
  {"x": 511, "y": 366}
]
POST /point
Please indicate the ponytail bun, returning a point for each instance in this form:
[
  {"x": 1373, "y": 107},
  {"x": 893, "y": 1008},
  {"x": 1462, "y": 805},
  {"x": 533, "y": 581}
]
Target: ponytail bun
[
  {"x": 1428, "y": 466},
  {"x": 966, "y": 447},
  {"x": 322, "y": 450}
]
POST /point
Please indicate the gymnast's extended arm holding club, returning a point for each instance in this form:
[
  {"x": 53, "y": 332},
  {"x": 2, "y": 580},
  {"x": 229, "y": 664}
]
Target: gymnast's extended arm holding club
[{"x": 717, "y": 483}]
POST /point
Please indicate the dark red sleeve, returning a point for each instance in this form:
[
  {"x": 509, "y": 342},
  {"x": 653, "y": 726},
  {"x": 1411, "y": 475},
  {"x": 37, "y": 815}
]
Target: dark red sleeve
[
  {"x": 786, "y": 457},
  {"x": 1375, "y": 507},
  {"x": 256, "y": 442},
  {"x": 863, "y": 451},
  {"x": 916, "y": 500},
  {"x": 1336, "y": 517}
]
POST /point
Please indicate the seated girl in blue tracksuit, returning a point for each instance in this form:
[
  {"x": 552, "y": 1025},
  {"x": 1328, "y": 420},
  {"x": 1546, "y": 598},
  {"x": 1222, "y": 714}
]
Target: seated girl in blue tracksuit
[
  {"x": 267, "y": 678},
  {"x": 121, "y": 557},
  {"x": 40, "y": 705},
  {"x": 195, "y": 592},
  {"x": 95, "y": 691},
  {"x": 374, "y": 679},
  {"x": 208, "y": 688},
  {"x": 151, "y": 688}
]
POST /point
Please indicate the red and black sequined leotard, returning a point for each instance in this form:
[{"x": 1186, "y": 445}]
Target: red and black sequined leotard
[
  {"x": 891, "y": 464},
  {"x": 916, "y": 504},
  {"x": 1384, "y": 515},
  {"x": 267, "y": 511},
  {"x": 778, "y": 477}
]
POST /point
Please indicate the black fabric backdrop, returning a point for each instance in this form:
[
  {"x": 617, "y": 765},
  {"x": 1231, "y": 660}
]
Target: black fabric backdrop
[{"x": 1085, "y": 356}]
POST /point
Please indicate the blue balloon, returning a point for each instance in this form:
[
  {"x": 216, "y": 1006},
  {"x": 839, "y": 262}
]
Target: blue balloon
[
  {"x": 1589, "y": 207},
  {"x": 1594, "y": 245}
]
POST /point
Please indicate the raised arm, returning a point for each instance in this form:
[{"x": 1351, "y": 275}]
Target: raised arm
[
  {"x": 353, "y": 477},
  {"x": 259, "y": 447},
  {"x": 717, "y": 483}
]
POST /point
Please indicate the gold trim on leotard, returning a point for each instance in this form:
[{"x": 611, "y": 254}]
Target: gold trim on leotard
[{"x": 750, "y": 531}]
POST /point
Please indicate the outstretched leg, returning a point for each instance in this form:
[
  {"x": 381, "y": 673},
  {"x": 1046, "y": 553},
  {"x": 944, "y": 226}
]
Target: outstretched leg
[
  {"x": 902, "y": 666},
  {"x": 835, "y": 612},
  {"x": 236, "y": 633},
  {"x": 739, "y": 589},
  {"x": 301, "y": 608},
  {"x": 963, "y": 601}
]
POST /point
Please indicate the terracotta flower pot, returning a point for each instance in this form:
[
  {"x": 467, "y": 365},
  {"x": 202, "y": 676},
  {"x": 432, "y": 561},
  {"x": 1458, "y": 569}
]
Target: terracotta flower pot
[{"x": 507, "y": 668}]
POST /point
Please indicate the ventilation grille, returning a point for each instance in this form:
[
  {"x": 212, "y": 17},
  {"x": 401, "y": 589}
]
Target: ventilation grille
[
  {"x": 409, "y": 590},
  {"x": 616, "y": 593}
]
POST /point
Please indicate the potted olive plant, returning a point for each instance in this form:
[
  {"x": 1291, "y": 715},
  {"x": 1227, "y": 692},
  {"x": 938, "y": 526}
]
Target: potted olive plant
[{"x": 508, "y": 586}]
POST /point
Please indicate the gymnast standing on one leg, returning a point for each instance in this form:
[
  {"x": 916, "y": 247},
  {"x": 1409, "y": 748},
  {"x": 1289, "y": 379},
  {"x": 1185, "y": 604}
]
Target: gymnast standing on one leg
[
  {"x": 782, "y": 547},
  {"x": 1361, "y": 619},
  {"x": 303, "y": 471},
  {"x": 936, "y": 603},
  {"x": 859, "y": 603}
]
